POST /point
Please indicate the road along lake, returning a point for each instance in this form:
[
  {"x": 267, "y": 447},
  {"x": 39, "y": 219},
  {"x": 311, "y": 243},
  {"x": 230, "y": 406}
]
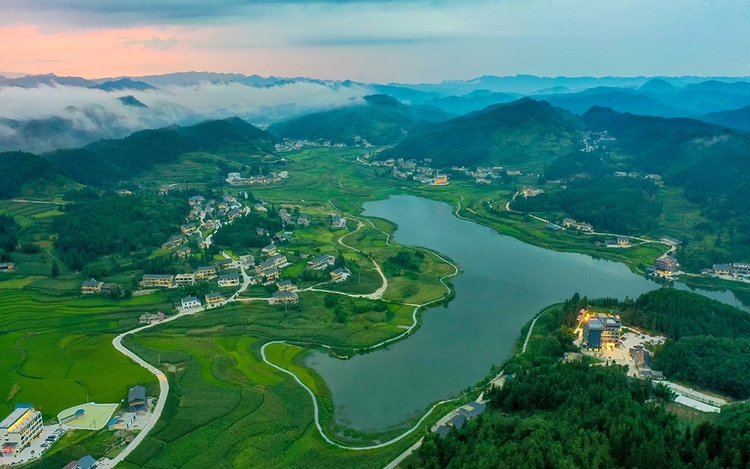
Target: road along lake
[{"x": 504, "y": 283}]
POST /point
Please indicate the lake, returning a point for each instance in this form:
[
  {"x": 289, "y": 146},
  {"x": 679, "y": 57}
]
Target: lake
[{"x": 504, "y": 284}]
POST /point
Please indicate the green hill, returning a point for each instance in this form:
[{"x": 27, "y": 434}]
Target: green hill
[
  {"x": 106, "y": 162},
  {"x": 381, "y": 120},
  {"x": 736, "y": 118},
  {"x": 512, "y": 133},
  {"x": 26, "y": 174}
]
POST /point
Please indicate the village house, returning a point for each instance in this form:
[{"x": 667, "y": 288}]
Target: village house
[
  {"x": 263, "y": 266},
  {"x": 190, "y": 302},
  {"x": 202, "y": 243},
  {"x": 666, "y": 263},
  {"x": 184, "y": 279},
  {"x": 230, "y": 280},
  {"x": 174, "y": 241},
  {"x": 157, "y": 280},
  {"x": 182, "y": 253},
  {"x": 7, "y": 267},
  {"x": 531, "y": 192},
  {"x": 148, "y": 318},
  {"x": 553, "y": 227},
  {"x": 568, "y": 222},
  {"x": 260, "y": 208},
  {"x": 320, "y": 262},
  {"x": 205, "y": 272},
  {"x": 440, "y": 180},
  {"x": 610, "y": 243},
  {"x": 196, "y": 200},
  {"x": 278, "y": 260},
  {"x": 224, "y": 264},
  {"x": 270, "y": 275},
  {"x": 233, "y": 213},
  {"x": 269, "y": 250},
  {"x": 91, "y": 286},
  {"x": 285, "y": 216},
  {"x": 188, "y": 229},
  {"x": 261, "y": 232},
  {"x": 283, "y": 297},
  {"x": 722, "y": 269},
  {"x": 247, "y": 260},
  {"x": 623, "y": 241},
  {"x": 124, "y": 422},
  {"x": 214, "y": 298},
  {"x": 303, "y": 220},
  {"x": 286, "y": 285},
  {"x": 338, "y": 222},
  {"x": 338, "y": 275}
]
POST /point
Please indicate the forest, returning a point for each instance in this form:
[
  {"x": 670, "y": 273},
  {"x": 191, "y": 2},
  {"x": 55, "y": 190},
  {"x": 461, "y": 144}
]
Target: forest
[
  {"x": 551, "y": 414},
  {"x": 241, "y": 234},
  {"x": 708, "y": 342},
  {"x": 117, "y": 224},
  {"x": 8, "y": 236},
  {"x": 618, "y": 204},
  {"x": 574, "y": 415}
]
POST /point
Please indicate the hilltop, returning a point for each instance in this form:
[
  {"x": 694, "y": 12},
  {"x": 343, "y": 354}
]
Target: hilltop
[
  {"x": 106, "y": 162},
  {"x": 379, "y": 119},
  {"x": 511, "y": 133}
]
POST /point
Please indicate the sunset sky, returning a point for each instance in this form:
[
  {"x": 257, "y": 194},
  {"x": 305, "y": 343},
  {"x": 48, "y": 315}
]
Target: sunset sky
[{"x": 417, "y": 41}]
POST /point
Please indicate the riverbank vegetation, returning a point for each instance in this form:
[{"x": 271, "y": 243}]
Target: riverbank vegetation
[{"x": 572, "y": 414}]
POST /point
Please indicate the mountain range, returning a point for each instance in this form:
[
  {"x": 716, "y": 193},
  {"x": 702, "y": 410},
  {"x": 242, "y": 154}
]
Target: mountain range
[{"x": 115, "y": 107}]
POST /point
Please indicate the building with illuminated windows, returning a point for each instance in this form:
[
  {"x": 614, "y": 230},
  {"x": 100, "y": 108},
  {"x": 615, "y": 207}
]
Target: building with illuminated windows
[
  {"x": 20, "y": 427},
  {"x": 601, "y": 331}
]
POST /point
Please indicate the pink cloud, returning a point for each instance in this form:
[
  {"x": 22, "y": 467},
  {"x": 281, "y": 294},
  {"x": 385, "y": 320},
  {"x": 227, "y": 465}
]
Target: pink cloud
[{"x": 91, "y": 53}]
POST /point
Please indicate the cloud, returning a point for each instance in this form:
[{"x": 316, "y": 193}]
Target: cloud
[
  {"x": 154, "y": 43},
  {"x": 84, "y": 115}
]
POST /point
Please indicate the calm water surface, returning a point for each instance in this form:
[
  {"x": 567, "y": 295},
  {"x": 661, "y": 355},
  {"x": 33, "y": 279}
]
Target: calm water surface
[{"x": 505, "y": 282}]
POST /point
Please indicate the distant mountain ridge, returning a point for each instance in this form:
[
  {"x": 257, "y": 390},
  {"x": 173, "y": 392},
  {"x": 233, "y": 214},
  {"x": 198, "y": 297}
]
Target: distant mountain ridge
[
  {"x": 379, "y": 119},
  {"x": 104, "y": 163}
]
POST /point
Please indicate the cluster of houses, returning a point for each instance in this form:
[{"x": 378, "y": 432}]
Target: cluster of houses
[
  {"x": 148, "y": 318},
  {"x": 592, "y": 141},
  {"x": 732, "y": 271},
  {"x": 288, "y": 219},
  {"x": 637, "y": 175},
  {"x": 419, "y": 171},
  {"x": 482, "y": 175},
  {"x": 577, "y": 225},
  {"x": 236, "y": 179},
  {"x": 289, "y": 145}
]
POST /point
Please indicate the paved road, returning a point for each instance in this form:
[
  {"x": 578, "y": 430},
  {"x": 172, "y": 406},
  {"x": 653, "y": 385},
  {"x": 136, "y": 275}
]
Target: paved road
[
  {"x": 317, "y": 412},
  {"x": 163, "y": 386},
  {"x": 528, "y": 336}
]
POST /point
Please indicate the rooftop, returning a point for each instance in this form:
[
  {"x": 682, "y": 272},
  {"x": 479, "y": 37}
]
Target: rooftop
[{"x": 17, "y": 413}]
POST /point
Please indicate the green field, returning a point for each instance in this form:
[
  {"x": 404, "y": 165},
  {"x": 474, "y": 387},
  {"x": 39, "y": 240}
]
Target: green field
[{"x": 226, "y": 407}]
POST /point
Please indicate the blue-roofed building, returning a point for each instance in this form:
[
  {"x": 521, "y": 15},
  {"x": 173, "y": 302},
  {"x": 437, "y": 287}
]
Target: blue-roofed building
[{"x": 86, "y": 462}]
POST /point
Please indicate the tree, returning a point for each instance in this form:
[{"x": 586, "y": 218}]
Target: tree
[{"x": 55, "y": 269}]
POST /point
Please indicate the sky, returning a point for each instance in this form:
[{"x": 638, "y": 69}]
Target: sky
[{"x": 377, "y": 41}]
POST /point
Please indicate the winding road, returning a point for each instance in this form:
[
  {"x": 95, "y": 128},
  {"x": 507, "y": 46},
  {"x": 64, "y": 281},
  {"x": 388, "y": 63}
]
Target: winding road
[
  {"x": 163, "y": 386},
  {"x": 377, "y": 294}
]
